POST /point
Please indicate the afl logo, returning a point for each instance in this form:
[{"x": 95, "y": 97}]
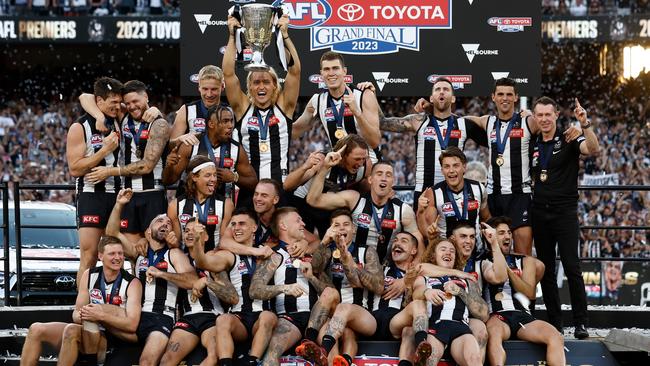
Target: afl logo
[
  {"x": 305, "y": 13},
  {"x": 184, "y": 218},
  {"x": 364, "y": 219}
]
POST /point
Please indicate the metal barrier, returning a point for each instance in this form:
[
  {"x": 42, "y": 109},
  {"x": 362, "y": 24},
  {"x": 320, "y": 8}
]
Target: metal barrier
[{"x": 4, "y": 189}]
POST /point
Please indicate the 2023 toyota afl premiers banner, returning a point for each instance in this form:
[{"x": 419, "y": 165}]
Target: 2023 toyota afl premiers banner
[{"x": 401, "y": 46}]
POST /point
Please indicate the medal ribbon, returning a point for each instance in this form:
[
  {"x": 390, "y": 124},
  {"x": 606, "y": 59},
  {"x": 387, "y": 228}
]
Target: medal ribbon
[
  {"x": 250, "y": 266},
  {"x": 338, "y": 113},
  {"x": 450, "y": 126},
  {"x": 203, "y": 109},
  {"x": 224, "y": 150},
  {"x": 450, "y": 195},
  {"x": 261, "y": 236},
  {"x": 136, "y": 136},
  {"x": 203, "y": 210},
  {"x": 501, "y": 145},
  {"x": 544, "y": 154},
  {"x": 264, "y": 123},
  {"x": 376, "y": 219},
  {"x": 159, "y": 257},
  {"x": 114, "y": 290}
]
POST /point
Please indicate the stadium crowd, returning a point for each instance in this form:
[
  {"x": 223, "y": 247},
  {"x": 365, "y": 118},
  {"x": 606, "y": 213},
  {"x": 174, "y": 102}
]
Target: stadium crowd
[
  {"x": 33, "y": 151},
  {"x": 594, "y": 7}
]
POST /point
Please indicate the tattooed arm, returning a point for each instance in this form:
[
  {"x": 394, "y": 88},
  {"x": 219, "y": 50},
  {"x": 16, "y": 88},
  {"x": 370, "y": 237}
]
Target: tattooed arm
[
  {"x": 472, "y": 299},
  {"x": 260, "y": 289},
  {"x": 223, "y": 288},
  {"x": 158, "y": 137},
  {"x": 316, "y": 281},
  {"x": 371, "y": 275},
  {"x": 408, "y": 123}
]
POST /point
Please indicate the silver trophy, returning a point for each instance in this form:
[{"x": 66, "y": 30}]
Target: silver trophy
[{"x": 257, "y": 22}]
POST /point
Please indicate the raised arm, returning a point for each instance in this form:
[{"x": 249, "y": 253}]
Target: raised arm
[
  {"x": 410, "y": 225},
  {"x": 409, "y": 123},
  {"x": 158, "y": 136},
  {"x": 304, "y": 172},
  {"x": 113, "y": 224},
  {"x": 236, "y": 97},
  {"x": 329, "y": 201},
  {"x": 176, "y": 163},
  {"x": 306, "y": 120},
  {"x": 289, "y": 96},
  {"x": 371, "y": 275},
  {"x": 367, "y": 116},
  {"x": 495, "y": 272},
  {"x": 590, "y": 146}
]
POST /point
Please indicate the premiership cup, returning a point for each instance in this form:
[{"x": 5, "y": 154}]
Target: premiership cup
[{"x": 257, "y": 21}]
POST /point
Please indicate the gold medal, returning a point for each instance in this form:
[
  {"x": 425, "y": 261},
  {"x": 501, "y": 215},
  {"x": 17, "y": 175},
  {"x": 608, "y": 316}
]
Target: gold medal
[
  {"x": 193, "y": 298},
  {"x": 500, "y": 160},
  {"x": 449, "y": 296},
  {"x": 543, "y": 176},
  {"x": 336, "y": 254},
  {"x": 264, "y": 146},
  {"x": 149, "y": 279},
  {"x": 296, "y": 263},
  {"x": 339, "y": 133},
  {"x": 498, "y": 296}
]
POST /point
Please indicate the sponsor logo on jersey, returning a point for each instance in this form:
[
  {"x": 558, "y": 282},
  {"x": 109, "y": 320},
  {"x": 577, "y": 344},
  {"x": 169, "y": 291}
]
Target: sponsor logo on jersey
[{"x": 90, "y": 219}]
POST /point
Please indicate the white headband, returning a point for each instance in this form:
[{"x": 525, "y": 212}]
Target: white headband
[{"x": 201, "y": 166}]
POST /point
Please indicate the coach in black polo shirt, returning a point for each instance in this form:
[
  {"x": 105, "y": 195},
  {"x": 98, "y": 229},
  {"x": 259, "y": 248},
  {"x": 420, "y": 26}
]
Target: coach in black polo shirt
[{"x": 555, "y": 165}]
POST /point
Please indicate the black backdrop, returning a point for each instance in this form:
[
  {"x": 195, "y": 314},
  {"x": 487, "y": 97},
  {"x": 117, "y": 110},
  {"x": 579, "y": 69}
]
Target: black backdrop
[{"x": 488, "y": 23}]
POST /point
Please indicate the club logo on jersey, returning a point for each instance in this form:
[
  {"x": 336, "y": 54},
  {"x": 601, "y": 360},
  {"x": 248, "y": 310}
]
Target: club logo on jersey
[
  {"x": 163, "y": 265},
  {"x": 388, "y": 224},
  {"x": 253, "y": 123},
  {"x": 184, "y": 218},
  {"x": 96, "y": 141},
  {"x": 363, "y": 220},
  {"x": 517, "y": 133},
  {"x": 212, "y": 220},
  {"x": 473, "y": 205},
  {"x": 228, "y": 163},
  {"x": 96, "y": 296},
  {"x": 199, "y": 124},
  {"x": 337, "y": 269},
  {"x": 247, "y": 54},
  {"x": 434, "y": 281},
  {"x": 116, "y": 300},
  {"x": 448, "y": 209},
  {"x": 367, "y": 27},
  {"x": 144, "y": 134},
  {"x": 124, "y": 223},
  {"x": 329, "y": 115},
  {"x": 510, "y": 24},
  {"x": 457, "y": 81},
  {"x": 429, "y": 133},
  {"x": 90, "y": 219}
]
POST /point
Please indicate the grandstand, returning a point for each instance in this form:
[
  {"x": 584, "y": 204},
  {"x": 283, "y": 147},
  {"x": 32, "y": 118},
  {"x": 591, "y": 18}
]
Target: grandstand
[{"x": 608, "y": 71}]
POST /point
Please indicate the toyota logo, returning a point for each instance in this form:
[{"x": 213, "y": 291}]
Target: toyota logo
[
  {"x": 350, "y": 12},
  {"x": 64, "y": 281}
]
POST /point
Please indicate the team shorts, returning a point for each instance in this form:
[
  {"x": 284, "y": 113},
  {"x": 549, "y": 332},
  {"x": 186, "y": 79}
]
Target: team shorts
[
  {"x": 515, "y": 319},
  {"x": 141, "y": 210},
  {"x": 153, "y": 322},
  {"x": 94, "y": 209},
  {"x": 516, "y": 206},
  {"x": 299, "y": 319},
  {"x": 447, "y": 330},
  {"x": 196, "y": 323},
  {"x": 248, "y": 319},
  {"x": 383, "y": 318}
]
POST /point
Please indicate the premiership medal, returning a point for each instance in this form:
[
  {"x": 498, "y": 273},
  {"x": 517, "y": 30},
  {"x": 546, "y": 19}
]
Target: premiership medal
[
  {"x": 296, "y": 263},
  {"x": 149, "y": 279},
  {"x": 264, "y": 146},
  {"x": 336, "y": 254},
  {"x": 449, "y": 296},
  {"x": 193, "y": 298},
  {"x": 339, "y": 133},
  {"x": 138, "y": 153},
  {"x": 500, "y": 160},
  {"x": 543, "y": 176},
  {"x": 498, "y": 296}
]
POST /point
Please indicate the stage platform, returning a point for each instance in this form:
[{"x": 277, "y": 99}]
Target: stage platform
[{"x": 606, "y": 346}]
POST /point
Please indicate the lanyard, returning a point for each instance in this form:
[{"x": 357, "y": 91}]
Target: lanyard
[
  {"x": 224, "y": 150},
  {"x": 450, "y": 126},
  {"x": 203, "y": 210},
  {"x": 545, "y": 154},
  {"x": 261, "y": 236},
  {"x": 501, "y": 145},
  {"x": 159, "y": 257},
  {"x": 204, "y": 109},
  {"x": 375, "y": 217},
  {"x": 397, "y": 272},
  {"x": 114, "y": 290},
  {"x": 264, "y": 123},
  {"x": 136, "y": 136},
  {"x": 338, "y": 113},
  {"x": 450, "y": 195}
]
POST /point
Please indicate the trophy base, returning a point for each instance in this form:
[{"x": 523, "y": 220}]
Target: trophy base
[{"x": 257, "y": 67}]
